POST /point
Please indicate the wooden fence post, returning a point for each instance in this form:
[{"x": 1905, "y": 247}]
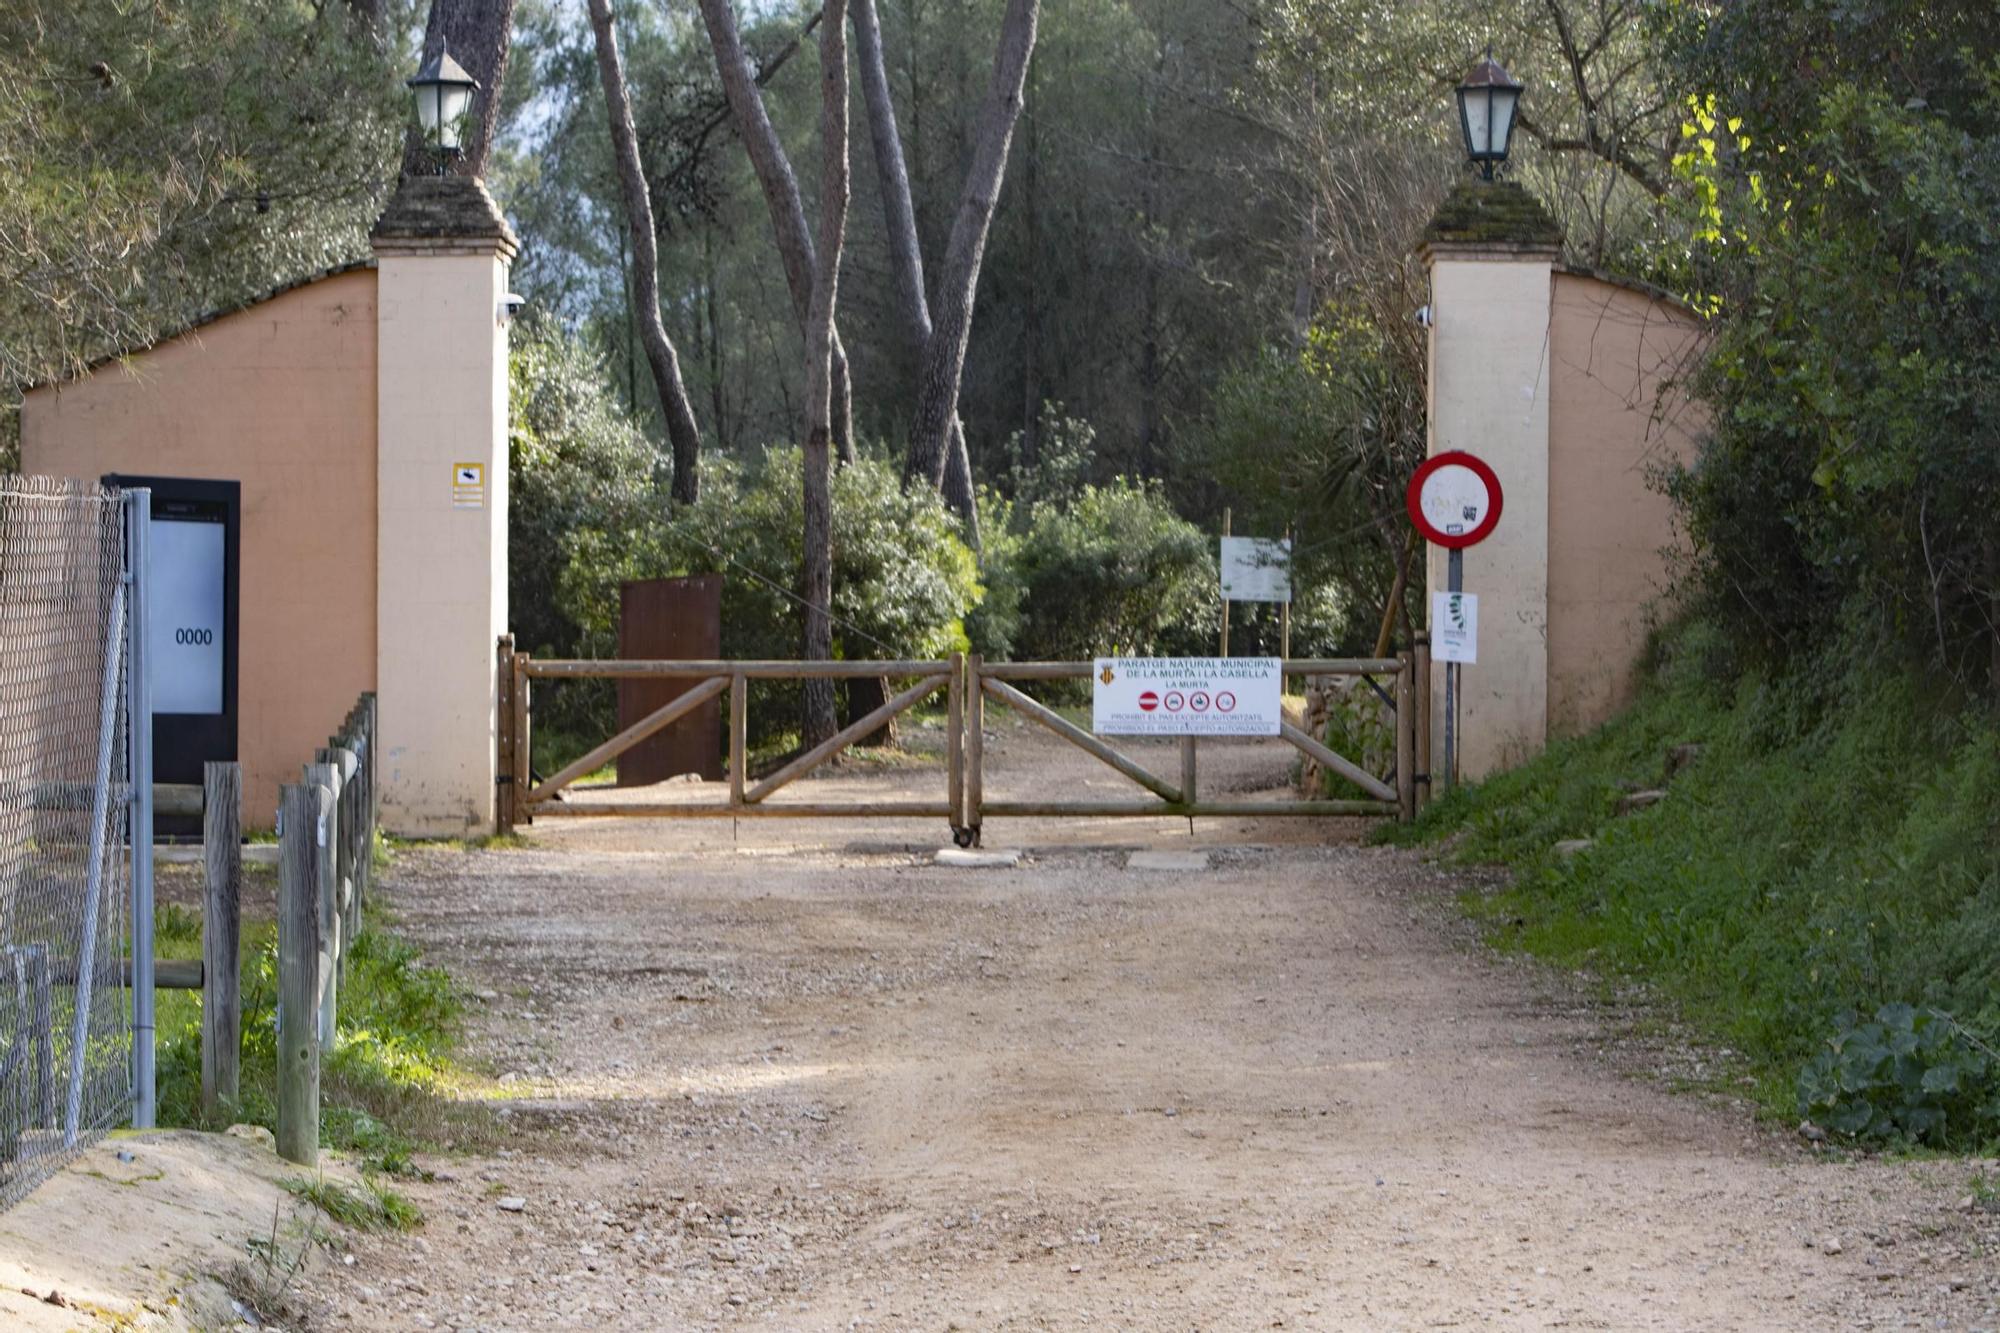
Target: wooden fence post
[
  {"x": 346, "y": 818},
  {"x": 326, "y": 848},
  {"x": 739, "y": 736},
  {"x": 975, "y": 744},
  {"x": 300, "y": 809},
  {"x": 524, "y": 750},
  {"x": 504, "y": 798},
  {"x": 364, "y": 881},
  {"x": 221, "y": 930},
  {"x": 1406, "y": 747},
  {"x": 954, "y": 742},
  {"x": 1421, "y": 656}
]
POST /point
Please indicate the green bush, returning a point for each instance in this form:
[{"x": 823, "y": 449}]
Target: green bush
[
  {"x": 1835, "y": 849},
  {"x": 1113, "y": 568},
  {"x": 903, "y": 580}
]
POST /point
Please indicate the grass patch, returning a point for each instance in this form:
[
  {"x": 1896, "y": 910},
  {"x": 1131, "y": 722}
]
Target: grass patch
[
  {"x": 371, "y": 1207},
  {"x": 1834, "y": 849},
  {"x": 385, "y": 1088}
]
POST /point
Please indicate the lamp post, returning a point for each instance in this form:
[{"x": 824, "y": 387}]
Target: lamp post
[
  {"x": 444, "y": 94},
  {"x": 1486, "y": 103}
]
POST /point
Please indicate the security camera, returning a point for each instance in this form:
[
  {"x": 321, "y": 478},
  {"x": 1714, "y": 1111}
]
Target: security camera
[
  {"x": 510, "y": 306},
  {"x": 1424, "y": 317}
]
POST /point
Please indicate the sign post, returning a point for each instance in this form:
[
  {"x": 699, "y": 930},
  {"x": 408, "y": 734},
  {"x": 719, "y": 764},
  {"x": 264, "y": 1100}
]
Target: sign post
[
  {"x": 1256, "y": 569},
  {"x": 1454, "y": 500}
]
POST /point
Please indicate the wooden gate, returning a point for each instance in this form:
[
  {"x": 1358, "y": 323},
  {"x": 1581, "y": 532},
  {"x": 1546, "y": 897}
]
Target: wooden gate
[{"x": 969, "y": 685}]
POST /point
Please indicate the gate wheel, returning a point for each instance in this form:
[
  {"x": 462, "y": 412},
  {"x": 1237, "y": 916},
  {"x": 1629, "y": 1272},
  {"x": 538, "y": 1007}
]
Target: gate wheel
[{"x": 964, "y": 837}]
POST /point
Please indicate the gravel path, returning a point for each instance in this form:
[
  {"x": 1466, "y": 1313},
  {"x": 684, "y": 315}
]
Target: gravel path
[{"x": 793, "y": 1076}]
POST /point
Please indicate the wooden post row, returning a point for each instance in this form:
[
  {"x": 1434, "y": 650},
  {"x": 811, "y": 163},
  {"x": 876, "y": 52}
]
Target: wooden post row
[
  {"x": 221, "y": 930},
  {"x": 301, "y": 807}
]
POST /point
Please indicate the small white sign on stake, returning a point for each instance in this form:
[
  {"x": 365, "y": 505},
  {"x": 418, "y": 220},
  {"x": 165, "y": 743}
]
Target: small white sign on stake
[
  {"x": 1256, "y": 569},
  {"x": 1455, "y": 627},
  {"x": 1185, "y": 696}
]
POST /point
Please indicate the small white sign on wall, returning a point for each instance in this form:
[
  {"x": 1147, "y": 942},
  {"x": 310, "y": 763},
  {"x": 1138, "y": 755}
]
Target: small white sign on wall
[
  {"x": 1454, "y": 627},
  {"x": 468, "y": 485}
]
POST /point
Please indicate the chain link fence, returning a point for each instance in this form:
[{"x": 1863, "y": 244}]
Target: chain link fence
[{"x": 65, "y": 1029}]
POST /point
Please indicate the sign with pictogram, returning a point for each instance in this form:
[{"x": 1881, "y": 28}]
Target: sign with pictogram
[
  {"x": 1454, "y": 499},
  {"x": 1455, "y": 627},
  {"x": 1186, "y": 696}
]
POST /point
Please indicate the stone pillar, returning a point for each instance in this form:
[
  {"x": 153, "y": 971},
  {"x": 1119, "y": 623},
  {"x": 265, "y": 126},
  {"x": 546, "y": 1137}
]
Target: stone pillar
[
  {"x": 442, "y": 250},
  {"x": 1490, "y": 251}
]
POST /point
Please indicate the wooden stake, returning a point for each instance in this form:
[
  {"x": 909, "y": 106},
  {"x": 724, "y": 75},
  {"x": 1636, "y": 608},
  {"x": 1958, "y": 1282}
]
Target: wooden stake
[{"x": 299, "y": 811}]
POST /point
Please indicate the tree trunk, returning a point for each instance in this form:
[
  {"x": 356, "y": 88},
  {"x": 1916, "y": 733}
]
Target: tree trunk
[
  {"x": 944, "y": 351},
  {"x": 906, "y": 257},
  {"x": 477, "y": 33},
  {"x": 820, "y": 717},
  {"x": 1031, "y": 315},
  {"x": 781, "y": 193},
  {"x": 682, "y": 432}
]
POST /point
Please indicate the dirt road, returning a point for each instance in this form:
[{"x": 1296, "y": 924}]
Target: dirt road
[{"x": 806, "y": 1080}]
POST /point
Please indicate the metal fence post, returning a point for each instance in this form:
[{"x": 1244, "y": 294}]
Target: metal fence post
[
  {"x": 507, "y": 793},
  {"x": 100, "y": 806},
  {"x": 301, "y": 808},
  {"x": 139, "y": 746},
  {"x": 221, "y": 928}
]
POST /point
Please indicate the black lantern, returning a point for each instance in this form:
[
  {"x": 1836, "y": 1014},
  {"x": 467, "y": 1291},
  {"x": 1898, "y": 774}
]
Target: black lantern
[
  {"x": 1486, "y": 102},
  {"x": 444, "y": 94}
]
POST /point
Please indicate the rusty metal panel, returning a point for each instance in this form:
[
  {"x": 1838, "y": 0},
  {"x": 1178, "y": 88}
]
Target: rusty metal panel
[{"x": 670, "y": 619}]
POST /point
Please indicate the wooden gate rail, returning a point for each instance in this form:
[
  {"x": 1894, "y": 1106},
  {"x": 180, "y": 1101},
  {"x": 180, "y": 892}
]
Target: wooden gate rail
[
  {"x": 969, "y": 683},
  {"x": 991, "y": 681},
  {"x": 520, "y": 799}
]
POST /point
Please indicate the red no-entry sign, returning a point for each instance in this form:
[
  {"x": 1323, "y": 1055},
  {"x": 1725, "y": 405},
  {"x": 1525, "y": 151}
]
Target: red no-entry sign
[{"x": 1454, "y": 499}]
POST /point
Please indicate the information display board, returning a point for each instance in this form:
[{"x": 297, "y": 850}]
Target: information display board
[
  {"x": 1186, "y": 696},
  {"x": 1256, "y": 569},
  {"x": 189, "y": 629},
  {"x": 192, "y": 628}
]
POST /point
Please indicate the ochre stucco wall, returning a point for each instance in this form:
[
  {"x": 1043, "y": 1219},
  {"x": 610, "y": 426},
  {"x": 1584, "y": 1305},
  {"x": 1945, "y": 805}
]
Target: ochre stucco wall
[
  {"x": 1617, "y": 413},
  {"x": 1489, "y": 363},
  {"x": 280, "y": 397}
]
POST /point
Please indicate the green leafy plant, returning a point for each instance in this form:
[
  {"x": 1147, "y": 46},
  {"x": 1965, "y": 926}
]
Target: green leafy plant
[
  {"x": 372, "y": 1206},
  {"x": 1911, "y": 1074}
]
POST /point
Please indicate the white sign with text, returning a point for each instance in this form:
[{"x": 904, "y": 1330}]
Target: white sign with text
[
  {"x": 185, "y": 636},
  {"x": 1186, "y": 696},
  {"x": 1256, "y": 569},
  {"x": 1454, "y": 627}
]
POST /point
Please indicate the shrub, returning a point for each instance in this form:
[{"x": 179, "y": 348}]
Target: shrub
[
  {"x": 1910, "y": 1074},
  {"x": 1114, "y": 568}
]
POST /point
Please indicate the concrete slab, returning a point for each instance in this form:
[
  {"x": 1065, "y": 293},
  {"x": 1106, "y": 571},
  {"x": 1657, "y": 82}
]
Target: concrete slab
[
  {"x": 1157, "y": 860},
  {"x": 966, "y": 859}
]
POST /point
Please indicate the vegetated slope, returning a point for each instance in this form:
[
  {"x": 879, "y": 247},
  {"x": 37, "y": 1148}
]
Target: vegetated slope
[{"x": 1833, "y": 849}]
